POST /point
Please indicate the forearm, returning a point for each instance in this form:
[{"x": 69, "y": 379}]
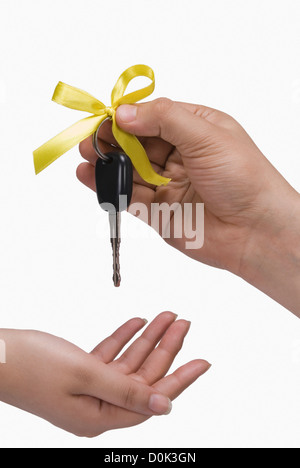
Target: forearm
[{"x": 272, "y": 259}]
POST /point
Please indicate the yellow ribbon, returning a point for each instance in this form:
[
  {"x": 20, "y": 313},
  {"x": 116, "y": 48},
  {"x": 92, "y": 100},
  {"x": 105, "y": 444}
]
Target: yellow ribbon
[{"x": 77, "y": 99}]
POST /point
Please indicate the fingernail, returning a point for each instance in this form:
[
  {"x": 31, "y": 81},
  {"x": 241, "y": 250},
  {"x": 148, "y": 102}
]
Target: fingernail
[
  {"x": 127, "y": 113},
  {"x": 146, "y": 321},
  {"x": 160, "y": 404}
]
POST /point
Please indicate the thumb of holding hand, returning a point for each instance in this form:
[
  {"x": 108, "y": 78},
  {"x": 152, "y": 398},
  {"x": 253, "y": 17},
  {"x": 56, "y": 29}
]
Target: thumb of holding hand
[{"x": 166, "y": 119}]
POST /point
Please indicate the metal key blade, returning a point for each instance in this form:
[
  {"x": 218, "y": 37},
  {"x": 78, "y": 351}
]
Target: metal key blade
[{"x": 115, "y": 238}]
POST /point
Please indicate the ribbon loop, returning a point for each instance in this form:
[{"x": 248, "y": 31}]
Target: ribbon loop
[
  {"x": 77, "y": 99},
  {"x": 117, "y": 95}
]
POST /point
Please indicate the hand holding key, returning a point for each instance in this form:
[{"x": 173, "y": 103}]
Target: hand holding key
[{"x": 252, "y": 214}]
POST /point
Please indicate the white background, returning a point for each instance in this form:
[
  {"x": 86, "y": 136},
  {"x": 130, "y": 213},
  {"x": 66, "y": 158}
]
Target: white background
[{"x": 55, "y": 276}]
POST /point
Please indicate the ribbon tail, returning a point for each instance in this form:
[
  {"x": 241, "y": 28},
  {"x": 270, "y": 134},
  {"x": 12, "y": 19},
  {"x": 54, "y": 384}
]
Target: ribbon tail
[
  {"x": 59, "y": 145},
  {"x": 77, "y": 99},
  {"x": 134, "y": 149}
]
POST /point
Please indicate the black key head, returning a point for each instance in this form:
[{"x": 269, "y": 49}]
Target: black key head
[{"x": 114, "y": 179}]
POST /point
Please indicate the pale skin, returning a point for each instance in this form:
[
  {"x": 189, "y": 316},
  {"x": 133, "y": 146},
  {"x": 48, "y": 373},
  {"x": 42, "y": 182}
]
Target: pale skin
[
  {"x": 252, "y": 214},
  {"x": 91, "y": 393}
]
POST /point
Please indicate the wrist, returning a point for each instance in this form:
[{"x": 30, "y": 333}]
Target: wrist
[{"x": 271, "y": 258}]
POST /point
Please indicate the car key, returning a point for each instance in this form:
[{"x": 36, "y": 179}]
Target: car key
[{"x": 114, "y": 182}]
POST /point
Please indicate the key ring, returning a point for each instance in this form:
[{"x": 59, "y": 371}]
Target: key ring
[{"x": 101, "y": 155}]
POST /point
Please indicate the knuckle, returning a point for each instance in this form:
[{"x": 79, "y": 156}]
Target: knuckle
[
  {"x": 162, "y": 106},
  {"x": 143, "y": 372},
  {"x": 129, "y": 397},
  {"x": 215, "y": 116},
  {"x": 139, "y": 378},
  {"x": 226, "y": 120},
  {"x": 206, "y": 113}
]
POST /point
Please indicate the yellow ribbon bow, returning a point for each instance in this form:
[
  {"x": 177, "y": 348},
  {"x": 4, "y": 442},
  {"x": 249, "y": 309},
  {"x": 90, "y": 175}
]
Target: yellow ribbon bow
[{"x": 77, "y": 99}]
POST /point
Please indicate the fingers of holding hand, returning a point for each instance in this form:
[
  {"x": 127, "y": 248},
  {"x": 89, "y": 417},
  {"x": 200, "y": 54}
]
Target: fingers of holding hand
[
  {"x": 157, "y": 150},
  {"x": 142, "y": 196},
  {"x": 86, "y": 175},
  {"x": 165, "y": 119},
  {"x": 167, "y": 123},
  {"x": 161, "y": 116}
]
